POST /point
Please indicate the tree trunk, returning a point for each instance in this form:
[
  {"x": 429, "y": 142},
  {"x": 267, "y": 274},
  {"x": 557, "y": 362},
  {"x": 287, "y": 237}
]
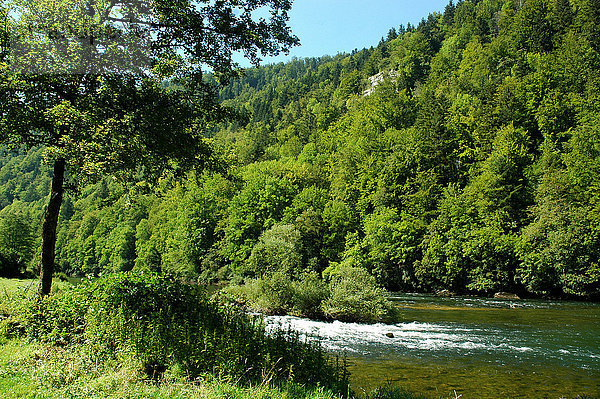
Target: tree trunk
[{"x": 49, "y": 227}]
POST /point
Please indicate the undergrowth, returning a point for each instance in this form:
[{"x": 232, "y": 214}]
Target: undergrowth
[{"x": 162, "y": 326}]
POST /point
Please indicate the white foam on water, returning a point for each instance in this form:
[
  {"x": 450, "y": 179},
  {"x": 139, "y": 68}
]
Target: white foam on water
[
  {"x": 362, "y": 338},
  {"x": 522, "y": 348}
]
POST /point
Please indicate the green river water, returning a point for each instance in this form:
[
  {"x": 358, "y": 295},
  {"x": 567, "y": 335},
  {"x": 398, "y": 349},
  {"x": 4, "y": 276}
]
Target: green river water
[{"x": 474, "y": 347}]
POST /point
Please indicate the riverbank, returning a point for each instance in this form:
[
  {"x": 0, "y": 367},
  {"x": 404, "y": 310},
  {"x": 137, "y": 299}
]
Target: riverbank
[
  {"x": 478, "y": 347},
  {"x": 33, "y": 370},
  {"x": 143, "y": 335}
]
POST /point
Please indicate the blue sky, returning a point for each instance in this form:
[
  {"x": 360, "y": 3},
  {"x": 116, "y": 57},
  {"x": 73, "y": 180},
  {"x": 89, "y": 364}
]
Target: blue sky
[{"x": 329, "y": 27}]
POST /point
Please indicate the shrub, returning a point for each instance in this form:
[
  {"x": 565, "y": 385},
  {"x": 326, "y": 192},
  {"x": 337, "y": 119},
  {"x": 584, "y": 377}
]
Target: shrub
[
  {"x": 271, "y": 294},
  {"x": 356, "y": 297},
  {"x": 278, "y": 293},
  {"x": 309, "y": 292}
]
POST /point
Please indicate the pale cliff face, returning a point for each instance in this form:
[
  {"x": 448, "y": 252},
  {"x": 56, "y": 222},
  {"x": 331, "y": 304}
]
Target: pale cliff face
[{"x": 377, "y": 79}]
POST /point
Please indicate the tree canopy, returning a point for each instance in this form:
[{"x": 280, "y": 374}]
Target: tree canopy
[
  {"x": 458, "y": 154},
  {"x": 117, "y": 88}
]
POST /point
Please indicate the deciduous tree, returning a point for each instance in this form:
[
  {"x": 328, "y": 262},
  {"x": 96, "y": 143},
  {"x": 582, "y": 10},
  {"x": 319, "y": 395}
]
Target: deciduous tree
[{"x": 117, "y": 87}]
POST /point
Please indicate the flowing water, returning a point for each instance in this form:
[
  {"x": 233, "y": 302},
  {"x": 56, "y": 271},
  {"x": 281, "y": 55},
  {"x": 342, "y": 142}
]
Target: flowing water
[{"x": 477, "y": 348}]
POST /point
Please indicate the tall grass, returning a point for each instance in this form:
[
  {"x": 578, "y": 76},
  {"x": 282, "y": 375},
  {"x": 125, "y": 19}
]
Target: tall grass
[{"x": 42, "y": 371}]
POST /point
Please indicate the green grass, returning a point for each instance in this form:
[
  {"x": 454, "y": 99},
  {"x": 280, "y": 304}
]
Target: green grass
[
  {"x": 13, "y": 291},
  {"x": 33, "y": 370},
  {"x": 12, "y": 287},
  {"x": 30, "y": 370},
  {"x": 16, "y": 362},
  {"x": 15, "y": 285}
]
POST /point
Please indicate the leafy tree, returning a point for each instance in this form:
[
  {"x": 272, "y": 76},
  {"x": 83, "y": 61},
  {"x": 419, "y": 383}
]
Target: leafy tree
[
  {"x": 101, "y": 105},
  {"x": 351, "y": 83},
  {"x": 588, "y": 14},
  {"x": 255, "y": 208},
  {"x": 502, "y": 192},
  {"x": 278, "y": 249},
  {"x": 562, "y": 15},
  {"x": 533, "y": 28},
  {"x": 444, "y": 264},
  {"x": 560, "y": 249},
  {"x": 389, "y": 248},
  {"x": 16, "y": 244}
]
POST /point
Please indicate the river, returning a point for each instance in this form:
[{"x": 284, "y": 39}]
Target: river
[{"x": 474, "y": 347}]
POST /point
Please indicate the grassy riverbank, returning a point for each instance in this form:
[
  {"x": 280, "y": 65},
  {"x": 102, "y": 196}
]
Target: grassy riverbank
[
  {"x": 33, "y": 370},
  {"x": 139, "y": 336}
]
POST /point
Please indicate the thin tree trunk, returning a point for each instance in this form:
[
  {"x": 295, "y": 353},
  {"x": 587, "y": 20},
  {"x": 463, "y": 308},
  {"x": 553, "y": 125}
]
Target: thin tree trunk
[{"x": 49, "y": 227}]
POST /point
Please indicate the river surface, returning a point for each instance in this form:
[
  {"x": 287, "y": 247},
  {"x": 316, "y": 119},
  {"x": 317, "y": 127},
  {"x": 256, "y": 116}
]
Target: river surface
[{"x": 474, "y": 347}]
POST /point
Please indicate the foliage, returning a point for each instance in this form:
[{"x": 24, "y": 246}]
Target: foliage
[
  {"x": 278, "y": 293},
  {"x": 355, "y": 296},
  {"x": 388, "y": 249},
  {"x": 459, "y": 154},
  {"x": 161, "y": 324},
  {"x": 271, "y": 294},
  {"x": 277, "y": 249},
  {"x": 20, "y": 309},
  {"x": 16, "y": 244},
  {"x": 122, "y": 92},
  {"x": 351, "y": 294}
]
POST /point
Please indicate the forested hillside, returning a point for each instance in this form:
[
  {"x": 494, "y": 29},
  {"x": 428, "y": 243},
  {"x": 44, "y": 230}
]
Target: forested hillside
[{"x": 460, "y": 154}]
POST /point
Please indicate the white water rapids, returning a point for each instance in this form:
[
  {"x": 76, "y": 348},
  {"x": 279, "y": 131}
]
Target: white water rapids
[{"x": 369, "y": 338}]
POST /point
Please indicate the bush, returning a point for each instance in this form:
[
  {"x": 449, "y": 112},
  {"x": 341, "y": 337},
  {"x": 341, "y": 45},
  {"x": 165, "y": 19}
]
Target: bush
[
  {"x": 309, "y": 292},
  {"x": 278, "y": 293},
  {"x": 271, "y": 294},
  {"x": 355, "y": 297}
]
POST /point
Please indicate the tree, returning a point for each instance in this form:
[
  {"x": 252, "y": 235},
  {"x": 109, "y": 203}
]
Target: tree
[
  {"x": 278, "y": 249},
  {"x": 118, "y": 88},
  {"x": 16, "y": 244},
  {"x": 533, "y": 29}
]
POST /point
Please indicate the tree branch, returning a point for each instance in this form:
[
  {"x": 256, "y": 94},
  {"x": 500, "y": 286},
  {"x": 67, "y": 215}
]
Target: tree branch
[{"x": 156, "y": 24}]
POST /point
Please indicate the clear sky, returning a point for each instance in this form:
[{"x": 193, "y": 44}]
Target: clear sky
[{"x": 329, "y": 27}]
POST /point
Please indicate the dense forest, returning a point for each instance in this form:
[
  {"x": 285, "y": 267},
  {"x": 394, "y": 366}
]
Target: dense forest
[{"x": 459, "y": 154}]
